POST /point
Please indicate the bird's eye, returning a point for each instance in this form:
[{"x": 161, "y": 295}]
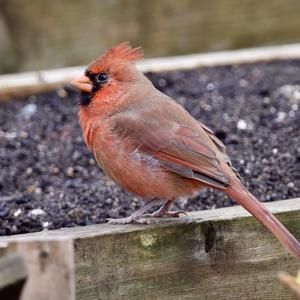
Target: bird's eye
[{"x": 101, "y": 78}]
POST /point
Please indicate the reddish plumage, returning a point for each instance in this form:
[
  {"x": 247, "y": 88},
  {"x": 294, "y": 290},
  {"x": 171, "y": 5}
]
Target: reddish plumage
[{"x": 151, "y": 146}]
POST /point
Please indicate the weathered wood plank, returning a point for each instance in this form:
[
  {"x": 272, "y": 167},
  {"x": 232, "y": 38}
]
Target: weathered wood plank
[
  {"x": 233, "y": 259},
  {"x": 50, "y": 265},
  {"x": 217, "y": 254},
  {"x": 13, "y": 274},
  {"x": 32, "y": 82}
]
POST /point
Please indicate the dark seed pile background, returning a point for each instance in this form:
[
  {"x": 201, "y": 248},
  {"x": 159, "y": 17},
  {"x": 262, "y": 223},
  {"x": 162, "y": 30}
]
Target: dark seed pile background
[{"x": 48, "y": 178}]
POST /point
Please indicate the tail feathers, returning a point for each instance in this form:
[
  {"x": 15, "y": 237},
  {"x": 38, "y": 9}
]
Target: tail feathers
[
  {"x": 235, "y": 171},
  {"x": 238, "y": 175},
  {"x": 240, "y": 194}
]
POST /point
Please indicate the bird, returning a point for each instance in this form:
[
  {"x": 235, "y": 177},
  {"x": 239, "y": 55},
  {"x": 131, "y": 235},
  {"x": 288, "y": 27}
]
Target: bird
[{"x": 152, "y": 147}]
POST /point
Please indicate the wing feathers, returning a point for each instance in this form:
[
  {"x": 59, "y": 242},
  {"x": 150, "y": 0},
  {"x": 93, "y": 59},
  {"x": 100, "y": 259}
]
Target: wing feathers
[
  {"x": 188, "y": 173},
  {"x": 184, "y": 151}
]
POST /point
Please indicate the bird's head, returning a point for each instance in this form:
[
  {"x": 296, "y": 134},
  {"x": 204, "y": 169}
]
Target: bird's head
[{"x": 108, "y": 74}]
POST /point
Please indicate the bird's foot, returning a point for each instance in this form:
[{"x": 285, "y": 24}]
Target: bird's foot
[
  {"x": 137, "y": 217},
  {"x": 142, "y": 217},
  {"x": 129, "y": 220},
  {"x": 165, "y": 213}
]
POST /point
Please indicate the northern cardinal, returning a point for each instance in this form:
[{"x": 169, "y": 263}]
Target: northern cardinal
[{"x": 154, "y": 148}]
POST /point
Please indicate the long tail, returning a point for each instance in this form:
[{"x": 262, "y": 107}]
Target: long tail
[{"x": 242, "y": 196}]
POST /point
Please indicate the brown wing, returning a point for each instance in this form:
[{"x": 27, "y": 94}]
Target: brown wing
[
  {"x": 181, "y": 149},
  {"x": 218, "y": 143}
]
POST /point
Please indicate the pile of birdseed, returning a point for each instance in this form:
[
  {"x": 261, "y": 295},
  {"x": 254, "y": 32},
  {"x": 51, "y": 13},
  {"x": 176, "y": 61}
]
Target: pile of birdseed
[{"x": 48, "y": 178}]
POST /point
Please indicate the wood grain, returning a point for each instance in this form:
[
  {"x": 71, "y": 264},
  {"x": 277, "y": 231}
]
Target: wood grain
[{"x": 233, "y": 259}]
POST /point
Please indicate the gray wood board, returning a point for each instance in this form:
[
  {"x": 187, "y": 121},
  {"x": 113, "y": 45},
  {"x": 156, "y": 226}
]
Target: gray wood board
[{"x": 222, "y": 253}]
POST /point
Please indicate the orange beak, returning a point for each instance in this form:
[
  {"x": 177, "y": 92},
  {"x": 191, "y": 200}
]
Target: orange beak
[{"x": 83, "y": 83}]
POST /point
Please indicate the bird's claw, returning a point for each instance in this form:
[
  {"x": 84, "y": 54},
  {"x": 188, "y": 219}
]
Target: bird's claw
[
  {"x": 146, "y": 218},
  {"x": 128, "y": 220},
  {"x": 170, "y": 214},
  {"x": 175, "y": 214}
]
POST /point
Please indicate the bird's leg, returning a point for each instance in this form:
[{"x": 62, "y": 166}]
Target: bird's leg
[
  {"x": 138, "y": 217},
  {"x": 164, "y": 211}
]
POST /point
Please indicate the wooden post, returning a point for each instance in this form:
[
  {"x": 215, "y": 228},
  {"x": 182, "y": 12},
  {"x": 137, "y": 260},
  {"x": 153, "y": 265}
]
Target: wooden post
[
  {"x": 50, "y": 266},
  {"x": 13, "y": 274}
]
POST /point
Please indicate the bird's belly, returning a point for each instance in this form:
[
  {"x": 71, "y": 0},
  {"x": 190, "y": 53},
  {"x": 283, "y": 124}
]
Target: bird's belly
[{"x": 141, "y": 173}]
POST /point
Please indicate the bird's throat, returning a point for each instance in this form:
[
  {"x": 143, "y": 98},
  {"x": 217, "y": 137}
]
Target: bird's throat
[{"x": 85, "y": 98}]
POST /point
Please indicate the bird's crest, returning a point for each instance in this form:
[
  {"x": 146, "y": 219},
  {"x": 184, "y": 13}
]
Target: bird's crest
[
  {"x": 125, "y": 52},
  {"x": 122, "y": 51}
]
